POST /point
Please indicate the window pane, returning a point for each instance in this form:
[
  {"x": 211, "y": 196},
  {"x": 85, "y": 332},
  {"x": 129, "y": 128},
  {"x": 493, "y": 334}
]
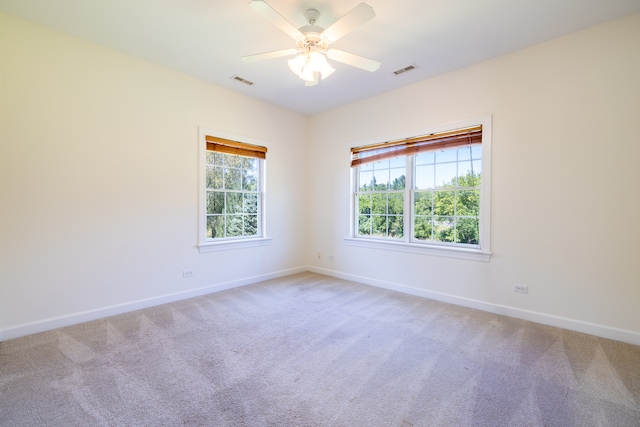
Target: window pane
[
  {"x": 444, "y": 203},
  {"x": 396, "y": 204},
  {"x": 398, "y": 162},
  {"x": 398, "y": 178},
  {"x": 477, "y": 167},
  {"x": 468, "y": 203},
  {"x": 467, "y": 231},
  {"x": 425, "y": 177},
  {"x": 232, "y": 179},
  {"x": 425, "y": 158},
  {"x": 366, "y": 167},
  {"x": 251, "y": 225},
  {"x": 364, "y": 204},
  {"x": 423, "y": 203},
  {"x": 234, "y": 225},
  {"x": 219, "y": 158},
  {"x": 396, "y": 226},
  {"x": 249, "y": 163},
  {"x": 210, "y": 157},
  {"x": 250, "y": 203},
  {"x": 469, "y": 180},
  {"x": 379, "y": 228},
  {"x": 382, "y": 164},
  {"x": 364, "y": 225},
  {"x": 444, "y": 229},
  {"x": 214, "y": 177},
  {"x": 422, "y": 228},
  {"x": 232, "y": 161},
  {"x": 234, "y": 203},
  {"x": 249, "y": 179},
  {"x": 215, "y": 202},
  {"x": 446, "y": 155},
  {"x": 379, "y": 204},
  {"x": 446, "y": 175},
  {"x": 464, "y": 153},
  {"x": 464, "y": 168},
  {"x": 381, "y": 179},
  {"x": 476, "y": 152},
  {"x": 215, "y": 226},
  {"x": 366, "y": 181}
]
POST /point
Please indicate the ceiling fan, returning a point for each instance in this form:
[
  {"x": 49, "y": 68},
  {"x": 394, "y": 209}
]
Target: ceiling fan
[{"x": 312, "y": 42}]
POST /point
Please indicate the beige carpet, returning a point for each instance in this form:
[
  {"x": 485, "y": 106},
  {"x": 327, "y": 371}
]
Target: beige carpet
[{"x": 310, "y": 350}]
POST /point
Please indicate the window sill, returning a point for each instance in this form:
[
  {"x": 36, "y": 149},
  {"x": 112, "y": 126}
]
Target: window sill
[
  {"x": 414, "y": 248},
  {"x": 232, "y": 244}
]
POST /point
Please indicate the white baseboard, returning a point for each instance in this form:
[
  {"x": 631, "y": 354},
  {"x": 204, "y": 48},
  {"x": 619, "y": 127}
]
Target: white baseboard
[
  {"x": 543, "y": 318},
  {"x": 532, "y": 316},
  {"x": 85, "y": 316}
]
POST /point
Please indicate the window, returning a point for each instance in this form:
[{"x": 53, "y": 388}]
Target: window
[
  {"x": 232, "y": 197},
  {"x": 425, "y": 194}
]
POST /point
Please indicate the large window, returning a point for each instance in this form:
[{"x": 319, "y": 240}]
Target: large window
[
  {"x": 429, "y": 191},
  {"x": 232, "y": 196}
]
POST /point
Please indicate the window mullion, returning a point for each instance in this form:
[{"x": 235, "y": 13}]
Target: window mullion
[{"x": 408, "y": 198}]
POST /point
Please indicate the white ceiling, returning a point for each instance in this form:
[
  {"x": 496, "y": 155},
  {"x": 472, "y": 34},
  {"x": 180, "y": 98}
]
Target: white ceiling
[{"x": 206, "y": 38}]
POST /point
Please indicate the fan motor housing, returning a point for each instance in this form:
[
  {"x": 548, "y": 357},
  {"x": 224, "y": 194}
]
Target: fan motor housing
[{"x": 312, "y": 39}]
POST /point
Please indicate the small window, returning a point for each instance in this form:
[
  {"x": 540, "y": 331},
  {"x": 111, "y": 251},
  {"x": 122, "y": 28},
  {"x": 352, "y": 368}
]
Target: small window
[
  {"x": 232, "y": 195},
  {"x": 430, "y": 191}
]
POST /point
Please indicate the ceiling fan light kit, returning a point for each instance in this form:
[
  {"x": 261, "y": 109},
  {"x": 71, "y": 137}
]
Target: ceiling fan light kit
[
  {"x": 308, "y": 65},
  {"x": 312, "y": 42}
]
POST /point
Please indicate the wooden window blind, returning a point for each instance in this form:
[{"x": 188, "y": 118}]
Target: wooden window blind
[
  {"x": 228, "y": 146},
  {"x": 404, "y": 147}
]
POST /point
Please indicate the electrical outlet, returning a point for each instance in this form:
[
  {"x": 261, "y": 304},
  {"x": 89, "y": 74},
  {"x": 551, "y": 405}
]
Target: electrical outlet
[
  {"x": 188, "y": 273},
  {"x": 521, "y": 289},
  {"x": 318, "y": 255},
  {"x": 330, "y": 257}
]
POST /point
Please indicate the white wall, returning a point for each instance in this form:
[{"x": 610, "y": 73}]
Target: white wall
[
  {"x": 99, "y": 181},
  {"x": 565, "y": 196}
]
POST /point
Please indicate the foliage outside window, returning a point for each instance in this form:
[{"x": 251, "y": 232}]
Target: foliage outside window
[{"x": 422, "y": 191}]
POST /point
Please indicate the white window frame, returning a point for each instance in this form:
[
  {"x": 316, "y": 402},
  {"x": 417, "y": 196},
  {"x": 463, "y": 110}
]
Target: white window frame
[
  {"x": 213, "y": 245},
  {"x": 407, "y": 243}
]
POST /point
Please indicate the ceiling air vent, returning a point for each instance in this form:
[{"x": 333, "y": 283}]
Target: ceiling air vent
[
  {"x": 241, "y": 80},
  {"x": 405, "y": 69}
]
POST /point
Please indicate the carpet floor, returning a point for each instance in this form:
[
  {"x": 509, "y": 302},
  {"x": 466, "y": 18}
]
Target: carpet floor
[{"x": 311, "y": 350}]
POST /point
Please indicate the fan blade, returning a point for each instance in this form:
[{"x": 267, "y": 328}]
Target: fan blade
[
  {"x": 269, "y": 55},
  {"x": 356, "y": 17},
  {"x": 353, "y": 60},
  {"x": 271, "y": 14}
]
